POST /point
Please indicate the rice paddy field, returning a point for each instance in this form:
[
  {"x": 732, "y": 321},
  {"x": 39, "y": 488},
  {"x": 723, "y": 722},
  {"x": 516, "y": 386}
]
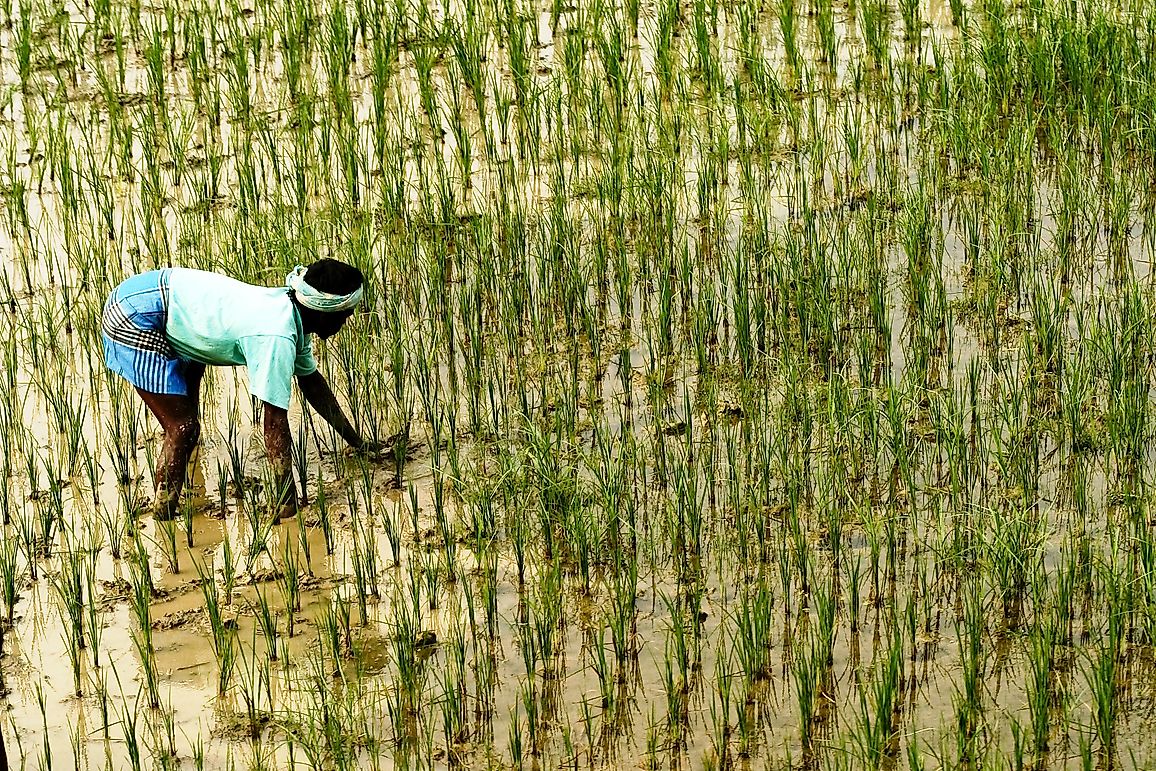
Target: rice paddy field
[{"x": 773, "y": 380}]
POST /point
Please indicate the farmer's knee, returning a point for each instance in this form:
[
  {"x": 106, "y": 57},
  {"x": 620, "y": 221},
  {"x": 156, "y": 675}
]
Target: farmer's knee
[{"x": 185, "y": 435}]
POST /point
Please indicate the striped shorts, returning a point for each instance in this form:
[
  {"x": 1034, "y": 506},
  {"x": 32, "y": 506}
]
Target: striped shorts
[{"x": 133, "y": 328}]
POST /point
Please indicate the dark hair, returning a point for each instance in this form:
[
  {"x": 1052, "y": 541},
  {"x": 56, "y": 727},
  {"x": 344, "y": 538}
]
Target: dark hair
[{"x": 333, "y": 276}]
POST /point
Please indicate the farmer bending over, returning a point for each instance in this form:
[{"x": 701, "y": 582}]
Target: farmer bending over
[{"x": 163, "y": 327}]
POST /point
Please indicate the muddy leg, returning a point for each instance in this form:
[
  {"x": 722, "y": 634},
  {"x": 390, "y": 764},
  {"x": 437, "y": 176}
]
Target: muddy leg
[
  {"x": 193, "y": 374},
  {"x": 182, "y": 427},
  {"x": 195, "y": 476}
]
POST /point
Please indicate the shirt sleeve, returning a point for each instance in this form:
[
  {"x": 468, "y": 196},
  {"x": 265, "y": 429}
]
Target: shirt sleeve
[
  {"x": 271, "y": 361},
  {"x": 305, "y": 363}
]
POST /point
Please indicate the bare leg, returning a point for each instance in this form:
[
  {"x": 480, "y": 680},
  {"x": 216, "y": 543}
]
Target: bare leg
[
  {"x": 279, "y": 447},
  {"x": 178, "y": 418},
  {"x": 195, "y": 476},
  {"x": 194, "y": 371}
]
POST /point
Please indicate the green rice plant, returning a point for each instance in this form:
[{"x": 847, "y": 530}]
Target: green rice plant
[
  {"x": 1101, "y": 674},
  {"x": 1041, "y": 657},
  {"x": 854, "y": 596},
  {"x": 364, "y": 559},
  {"x": 1146, "y": 558},
  {"x": 239, "y": 80},
  {"x": 290, "y": 582},
  {"x": 1047, "y": 306},
  {"x": 665, "y": 49},
  {"x": 236, "y": 453},
  {"x": 167, "y": 539},
  {"x": 23, "y": 44},
  {"x": 825, "y": 601},
  {"x": 301, "y": 462},
  {"x": 69, "y": 585},
  {"x": 969, "y": 697},
  {"x": 676, "y": 689},
  {"x": 266, "y": 622},
  {"x": 255, "y": 690},
  {"x": 1103, "y": 667},
  {"x": 912, "y": 22},
  {"x": 142, "y": 636},
  {"x": 788, "y": 29},
  {"x": 876, "y": 25},
  {"x": 99, "y": 679},
  {"x": 808, "y": 674},
  {"x": 1016, "y": 541},
  {"x": 879, "y": 706},
  {"x": 455, "y": 720},
  {"x": 828, "y": 41},
  {"x": 958, "y": 11},
  {"x": 384, "y": 57},
  {"x": 40, "y": 702},
  {"x": 606, "y": 687},
  {"x": 49, "y": 511},
  {"x": 155, "y": 66},
  {"x": 329, "y": 637},
  {"x": 10, "y": 578},
  {"x": 1075, "y": 397},
  {"x": 459, "y": 128},
  {"x": 162, "y": 733},
  {"x": 424, "y": 58},
  {"x": 706, "y": 54},
  {"x": 261, "y": 517},
  {"x": 753, "y": 627},
  {"x": 129, "y": 717},
  {"x": 361, "y": 578},
  {"x": 222, "y": 630},
  {"x": 228, "y": 567},
  {"x": 410, "y": 671},
  {"x": 515, "y": 740}
]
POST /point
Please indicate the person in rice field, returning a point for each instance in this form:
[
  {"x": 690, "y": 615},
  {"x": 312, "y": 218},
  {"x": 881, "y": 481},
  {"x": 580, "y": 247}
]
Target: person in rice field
[{"x": 162, "y": 328}]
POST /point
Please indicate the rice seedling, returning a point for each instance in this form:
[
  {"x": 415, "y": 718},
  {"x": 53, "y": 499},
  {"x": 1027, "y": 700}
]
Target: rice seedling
[
  {"x": 266, "y": 622},
  {"x": 142, "y": 633},
  {"x": 879, "y": 706},
  {"x": 10, "y": 578},
  {"x": 222, "y": 630},
  {"x": 74, "y": 592}
]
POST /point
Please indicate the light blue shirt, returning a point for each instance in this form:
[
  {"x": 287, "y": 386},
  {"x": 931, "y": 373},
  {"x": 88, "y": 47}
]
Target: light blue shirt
[{"x": 217, "y": 320}]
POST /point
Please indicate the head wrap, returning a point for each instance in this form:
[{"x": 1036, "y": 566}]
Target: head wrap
[{"x": 315, "y": 299}]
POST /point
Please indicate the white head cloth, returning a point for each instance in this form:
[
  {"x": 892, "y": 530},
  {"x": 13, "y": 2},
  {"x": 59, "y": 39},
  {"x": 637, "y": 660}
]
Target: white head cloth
[{"x": 311, "y": 297}]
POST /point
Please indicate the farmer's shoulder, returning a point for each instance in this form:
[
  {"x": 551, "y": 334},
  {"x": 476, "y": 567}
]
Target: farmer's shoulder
[{"x": 269, "y": 312}]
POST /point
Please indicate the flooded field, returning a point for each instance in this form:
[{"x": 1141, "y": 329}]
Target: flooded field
[{"x": 775, "y": 378}]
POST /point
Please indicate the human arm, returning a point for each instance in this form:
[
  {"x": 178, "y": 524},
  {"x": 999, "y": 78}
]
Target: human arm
[{"x": 315, "y": 388}]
